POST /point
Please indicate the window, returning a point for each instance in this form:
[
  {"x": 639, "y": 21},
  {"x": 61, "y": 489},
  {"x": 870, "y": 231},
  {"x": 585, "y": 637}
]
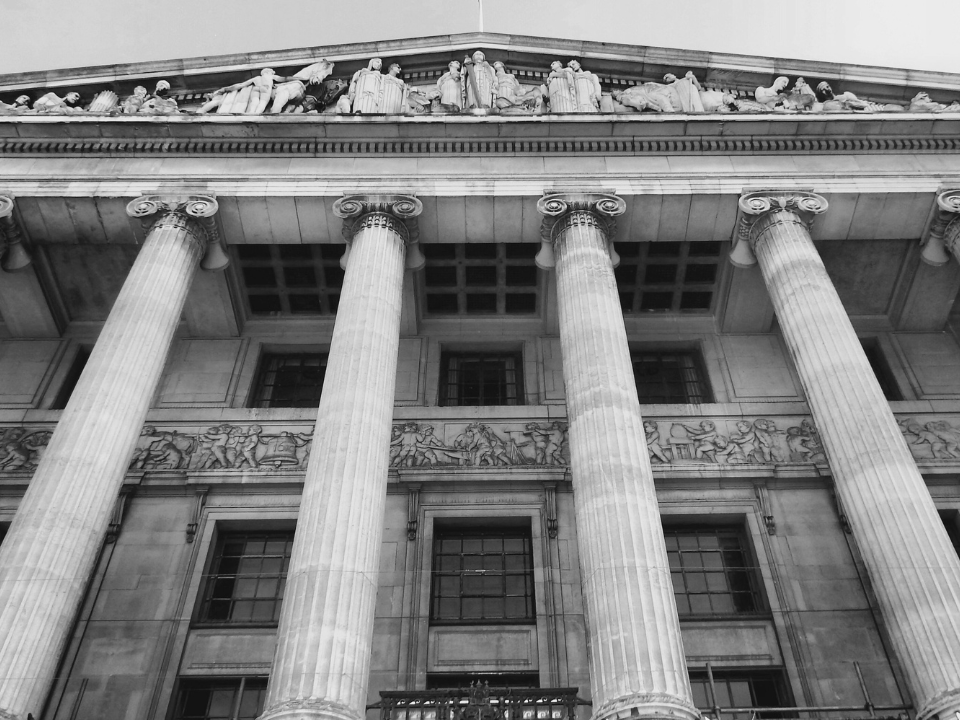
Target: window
[
  {"x": 739, "y": 689},
  {"x": 247, "y": 578},
  {"x": 668, "y": 276},
  {"x": 670, "y": 377},
  {"x": 480, "y": 279},
  {"x": 71, "y": 379},
  {"x": 482, "y": 576},
  {"x": 712, "y": 572},
  {"x": 290, "y": 380},
  {"x": 881, "y": 369},
  {"x": 481, "y": 379},
  {"x": 221, "y": 699},
  {"x": 291, "y": 279}
]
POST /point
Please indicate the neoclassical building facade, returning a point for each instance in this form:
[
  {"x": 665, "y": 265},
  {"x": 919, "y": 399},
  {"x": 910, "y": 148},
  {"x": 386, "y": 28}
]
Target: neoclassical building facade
[{"x": 477, "y": 377}]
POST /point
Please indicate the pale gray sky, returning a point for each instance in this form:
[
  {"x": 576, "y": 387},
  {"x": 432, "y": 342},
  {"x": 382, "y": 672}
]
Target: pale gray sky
[{"x": 49, "y": 34}]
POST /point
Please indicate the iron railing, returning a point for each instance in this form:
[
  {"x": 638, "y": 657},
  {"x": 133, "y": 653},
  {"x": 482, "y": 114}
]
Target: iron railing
[{"x": 480, "y": 702}]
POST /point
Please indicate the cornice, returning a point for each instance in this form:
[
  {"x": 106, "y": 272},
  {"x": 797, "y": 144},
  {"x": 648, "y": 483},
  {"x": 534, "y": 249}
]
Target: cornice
[{"x": 272, "y": 147}]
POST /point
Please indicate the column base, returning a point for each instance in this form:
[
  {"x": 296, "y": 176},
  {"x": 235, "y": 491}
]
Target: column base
[
  {"x": 649, "y": 706},
  {"x": 310, "y": 709},
  {"x": 944, "y": 706}
]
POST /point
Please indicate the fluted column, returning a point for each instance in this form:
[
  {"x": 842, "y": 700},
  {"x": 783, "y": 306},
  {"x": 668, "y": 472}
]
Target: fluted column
[
  {"x": 322, "y": 661},
  {"x": 637, "y": 666},
  {"x": 913, "y": 568},
  {"x": 53, "y": 542}
]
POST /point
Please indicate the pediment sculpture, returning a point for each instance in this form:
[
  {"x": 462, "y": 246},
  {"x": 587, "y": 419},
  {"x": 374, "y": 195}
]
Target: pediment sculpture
[{"x": 474, "y": 86}]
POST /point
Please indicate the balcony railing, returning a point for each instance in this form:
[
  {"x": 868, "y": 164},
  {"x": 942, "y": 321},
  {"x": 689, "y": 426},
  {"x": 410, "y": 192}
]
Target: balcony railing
[{"x": 480, "y": 702}]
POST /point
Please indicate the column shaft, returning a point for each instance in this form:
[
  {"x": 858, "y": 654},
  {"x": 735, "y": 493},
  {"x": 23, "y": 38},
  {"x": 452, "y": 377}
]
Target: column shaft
[
  {"x": 323, "y": 655},
  {"x": 54, "y": 539},
  {"x": 914, "y": 569},
  {"x": 636, "y": 655}
]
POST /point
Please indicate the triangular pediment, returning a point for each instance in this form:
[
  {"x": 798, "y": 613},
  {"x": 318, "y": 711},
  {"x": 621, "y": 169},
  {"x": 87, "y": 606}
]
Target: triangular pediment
[{"x": 528, "y": 59}]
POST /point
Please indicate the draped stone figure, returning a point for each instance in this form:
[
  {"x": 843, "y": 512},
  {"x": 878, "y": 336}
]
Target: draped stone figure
[
  {"x": 450, "y": 88},
  {"x": 249, "y": 97},
  {"x": 480, "y": 82},
  {"x": 560, "y": 88},
  {"x": 366, "y": 88},
  {"x": 393, "y": 99},
  {"x": 159, "y": 103},
  {"x": 686, "y": 92},
  {"x": 586, "y": 88},
  {"x": 511, "y": 97}
]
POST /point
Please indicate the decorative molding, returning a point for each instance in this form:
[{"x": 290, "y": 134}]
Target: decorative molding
[
  {"x": 744, "y": 145},
  {"x": 15, "y": 256},
  {"x": 413, "y": 510},
  {"x": 201, "y": 502},
  {"x": 116, "y": 521},
  {"x": 396, "y": 212},
  {"x": 550, "y": 505},
  {"x": 561, "y": 210},
  {"x": 189, "y": 212},
  {"x": 768, "y": 519},
  {"x": 753, "y": 205},
  {"x": 942, "y": 237}
]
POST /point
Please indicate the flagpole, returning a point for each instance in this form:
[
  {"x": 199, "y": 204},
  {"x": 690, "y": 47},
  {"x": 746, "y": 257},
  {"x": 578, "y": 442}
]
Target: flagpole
[{"x": 480, "y": 2}]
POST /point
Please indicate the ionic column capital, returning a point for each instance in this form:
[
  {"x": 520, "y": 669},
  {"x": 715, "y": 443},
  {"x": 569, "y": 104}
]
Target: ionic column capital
[
  {"x": 563, "y": 210},
  {"x": 942, "y": 237},
  {"x": 801, "y": 206},
  {"x": 397, "y": 213},
  {"x": 196, "y": 214},
  {"x": 15, "y": 256}
]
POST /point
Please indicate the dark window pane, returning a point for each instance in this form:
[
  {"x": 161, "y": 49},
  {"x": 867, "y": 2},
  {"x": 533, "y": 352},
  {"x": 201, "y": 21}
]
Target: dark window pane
[
  {"x": 480, "y": 251},
  {"x": 480, "y": 379},
  {"x": 290, "y": 379},
  {"x": 660, "y": 274},
  {"x": 246, "y": 578},
  {"x": 664, "y": 249},
  {"x": 707, "y": 581},
  {"x": 700, "y": 273},
  {"x": 483, "y": 592},
  {"x": 481, "y": 275},
  {"x": 515, "y": 303},
  {"x": 521, "y": 275},
  {"x": 443, "y": 275},
  {"x": 481, "y": 304},
  {"x": 670, "y": 377},
  {"x": 445, "y": 304},
  {"x": 656, "y": 301}
]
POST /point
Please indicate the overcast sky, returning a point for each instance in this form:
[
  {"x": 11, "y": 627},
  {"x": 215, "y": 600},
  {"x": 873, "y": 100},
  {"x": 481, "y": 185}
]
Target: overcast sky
[{"x": 48, "y": 34}]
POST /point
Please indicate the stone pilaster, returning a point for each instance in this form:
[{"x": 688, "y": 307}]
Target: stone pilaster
[
  {"x": 913, "y": 568},
  {"x": 53, "y": 542},
  {"x": 636, "y": 655},
  {"x": 322, "y": 662}
]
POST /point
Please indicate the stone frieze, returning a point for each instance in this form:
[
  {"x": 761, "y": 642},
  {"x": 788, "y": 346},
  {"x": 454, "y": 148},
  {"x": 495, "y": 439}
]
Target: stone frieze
[{"x": 493, "y": 445}]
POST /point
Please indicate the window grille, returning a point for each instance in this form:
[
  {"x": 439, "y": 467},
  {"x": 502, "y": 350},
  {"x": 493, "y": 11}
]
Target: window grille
[
  {"x": 670, "y": 377},
  {"x": 290, "y": 380},
  {"x": 221, "y": 699},
  {"x": 482, "y": 576},
  {"x": 291, "y": 279},
  {"x": 247, "y": 578},
  {"x": 480, "y": 279},
  {"x": 712, "y": 572},
  {"x": 668, "y": 276},
  {"x": 481, "y": 379}
]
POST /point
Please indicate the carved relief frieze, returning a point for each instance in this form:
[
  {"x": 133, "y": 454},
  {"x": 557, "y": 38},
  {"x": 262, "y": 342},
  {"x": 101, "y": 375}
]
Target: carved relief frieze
[
  {"x": 733, "y": 441},
  {"x": 222, "y": 447},
  {"x": 492, "y": 444},
  {"x": 479, "y": 444}
]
